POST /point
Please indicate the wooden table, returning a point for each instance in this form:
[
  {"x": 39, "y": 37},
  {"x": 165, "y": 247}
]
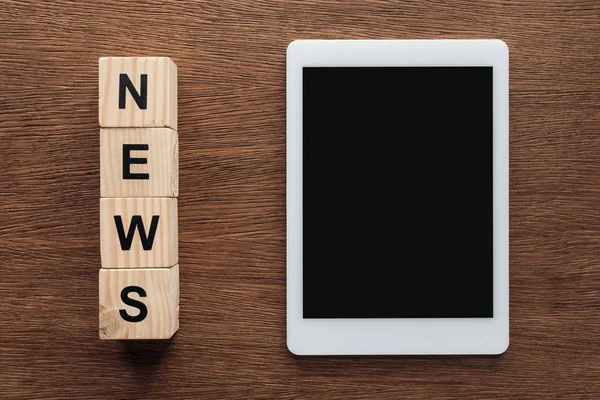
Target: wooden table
[{"x": 231, "y": 60}]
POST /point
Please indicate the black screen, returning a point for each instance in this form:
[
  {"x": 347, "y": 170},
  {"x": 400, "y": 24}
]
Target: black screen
[{"x": 397, "y": 192}]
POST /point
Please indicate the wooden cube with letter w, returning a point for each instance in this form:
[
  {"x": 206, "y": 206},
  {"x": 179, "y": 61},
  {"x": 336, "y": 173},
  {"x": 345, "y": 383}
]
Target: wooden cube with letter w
[{"x": 139, "y": 185}]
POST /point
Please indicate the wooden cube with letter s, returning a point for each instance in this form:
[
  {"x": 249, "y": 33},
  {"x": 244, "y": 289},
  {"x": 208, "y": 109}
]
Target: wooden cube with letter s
[
  {"x": 139, "y": 186},
  {"x": 141, "y": 303}
]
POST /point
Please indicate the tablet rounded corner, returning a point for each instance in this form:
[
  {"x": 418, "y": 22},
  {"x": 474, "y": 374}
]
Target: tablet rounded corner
[
  {"x": 292, "y": 347},
  {"x": 502, "y": 346},
  {"x": 502, "y": 46},
  {"x": 292, "y": 47}
]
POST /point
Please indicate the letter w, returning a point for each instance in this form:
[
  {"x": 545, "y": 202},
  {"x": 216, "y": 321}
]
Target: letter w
[{"x": 136, "y": 222}]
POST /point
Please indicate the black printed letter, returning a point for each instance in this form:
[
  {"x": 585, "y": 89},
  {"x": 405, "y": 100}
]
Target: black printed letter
[
  {"x": 136, "y": 221},
  {"x": 133, "y": 303},
  {"x": 140, "y": 99},
  {"x": 127, "y": 161}
]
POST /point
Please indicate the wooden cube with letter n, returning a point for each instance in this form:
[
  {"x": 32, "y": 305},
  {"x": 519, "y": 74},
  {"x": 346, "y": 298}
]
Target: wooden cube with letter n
[
  {"x": 138, "y": 92},
  {"x": 139, "y": 186}
]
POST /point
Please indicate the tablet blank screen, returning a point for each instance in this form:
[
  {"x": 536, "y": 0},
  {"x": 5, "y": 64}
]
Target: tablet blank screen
[{"x": 397, "y": 192}]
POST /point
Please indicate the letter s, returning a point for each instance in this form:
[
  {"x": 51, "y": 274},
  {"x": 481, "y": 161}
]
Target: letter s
[{"x": 133, "y": 303}]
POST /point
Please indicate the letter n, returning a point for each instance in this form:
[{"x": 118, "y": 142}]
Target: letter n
[{"x": 141, "y": 99}]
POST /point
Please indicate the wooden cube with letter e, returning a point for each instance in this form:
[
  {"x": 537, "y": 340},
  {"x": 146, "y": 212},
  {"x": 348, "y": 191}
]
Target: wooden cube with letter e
[
  {"x": 139, "y": 162},
  {"x": 139, "y": 186}
]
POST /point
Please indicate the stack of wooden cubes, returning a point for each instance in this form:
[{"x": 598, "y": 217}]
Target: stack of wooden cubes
[{"x": 139, "y": 157}]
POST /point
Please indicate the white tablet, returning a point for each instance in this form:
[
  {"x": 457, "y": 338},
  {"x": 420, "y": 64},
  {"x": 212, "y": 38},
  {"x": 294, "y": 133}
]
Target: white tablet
[{"x": 397, "y": 197}]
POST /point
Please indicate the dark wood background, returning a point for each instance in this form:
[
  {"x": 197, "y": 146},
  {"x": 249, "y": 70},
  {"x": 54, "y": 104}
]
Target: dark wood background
[{"x": 231, "y": 61}]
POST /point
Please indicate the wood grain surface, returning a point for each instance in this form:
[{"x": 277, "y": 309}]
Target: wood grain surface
[{"x": 231, "y": 64}]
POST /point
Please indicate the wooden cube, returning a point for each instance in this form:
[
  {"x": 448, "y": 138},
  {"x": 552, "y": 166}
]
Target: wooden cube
[
  {"x": 138, "y": 92},
  {"x": 138, "y": 233},
  {"x": 139, "y": 162},
  {"x": 139, "y": 303}
]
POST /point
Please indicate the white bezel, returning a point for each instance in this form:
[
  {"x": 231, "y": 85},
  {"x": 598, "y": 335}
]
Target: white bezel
[{"x": 397, "y": 336}]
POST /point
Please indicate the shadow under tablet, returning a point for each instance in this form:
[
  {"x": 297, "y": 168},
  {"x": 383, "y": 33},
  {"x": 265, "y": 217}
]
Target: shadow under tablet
[{"x": 397, "y": 192}]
